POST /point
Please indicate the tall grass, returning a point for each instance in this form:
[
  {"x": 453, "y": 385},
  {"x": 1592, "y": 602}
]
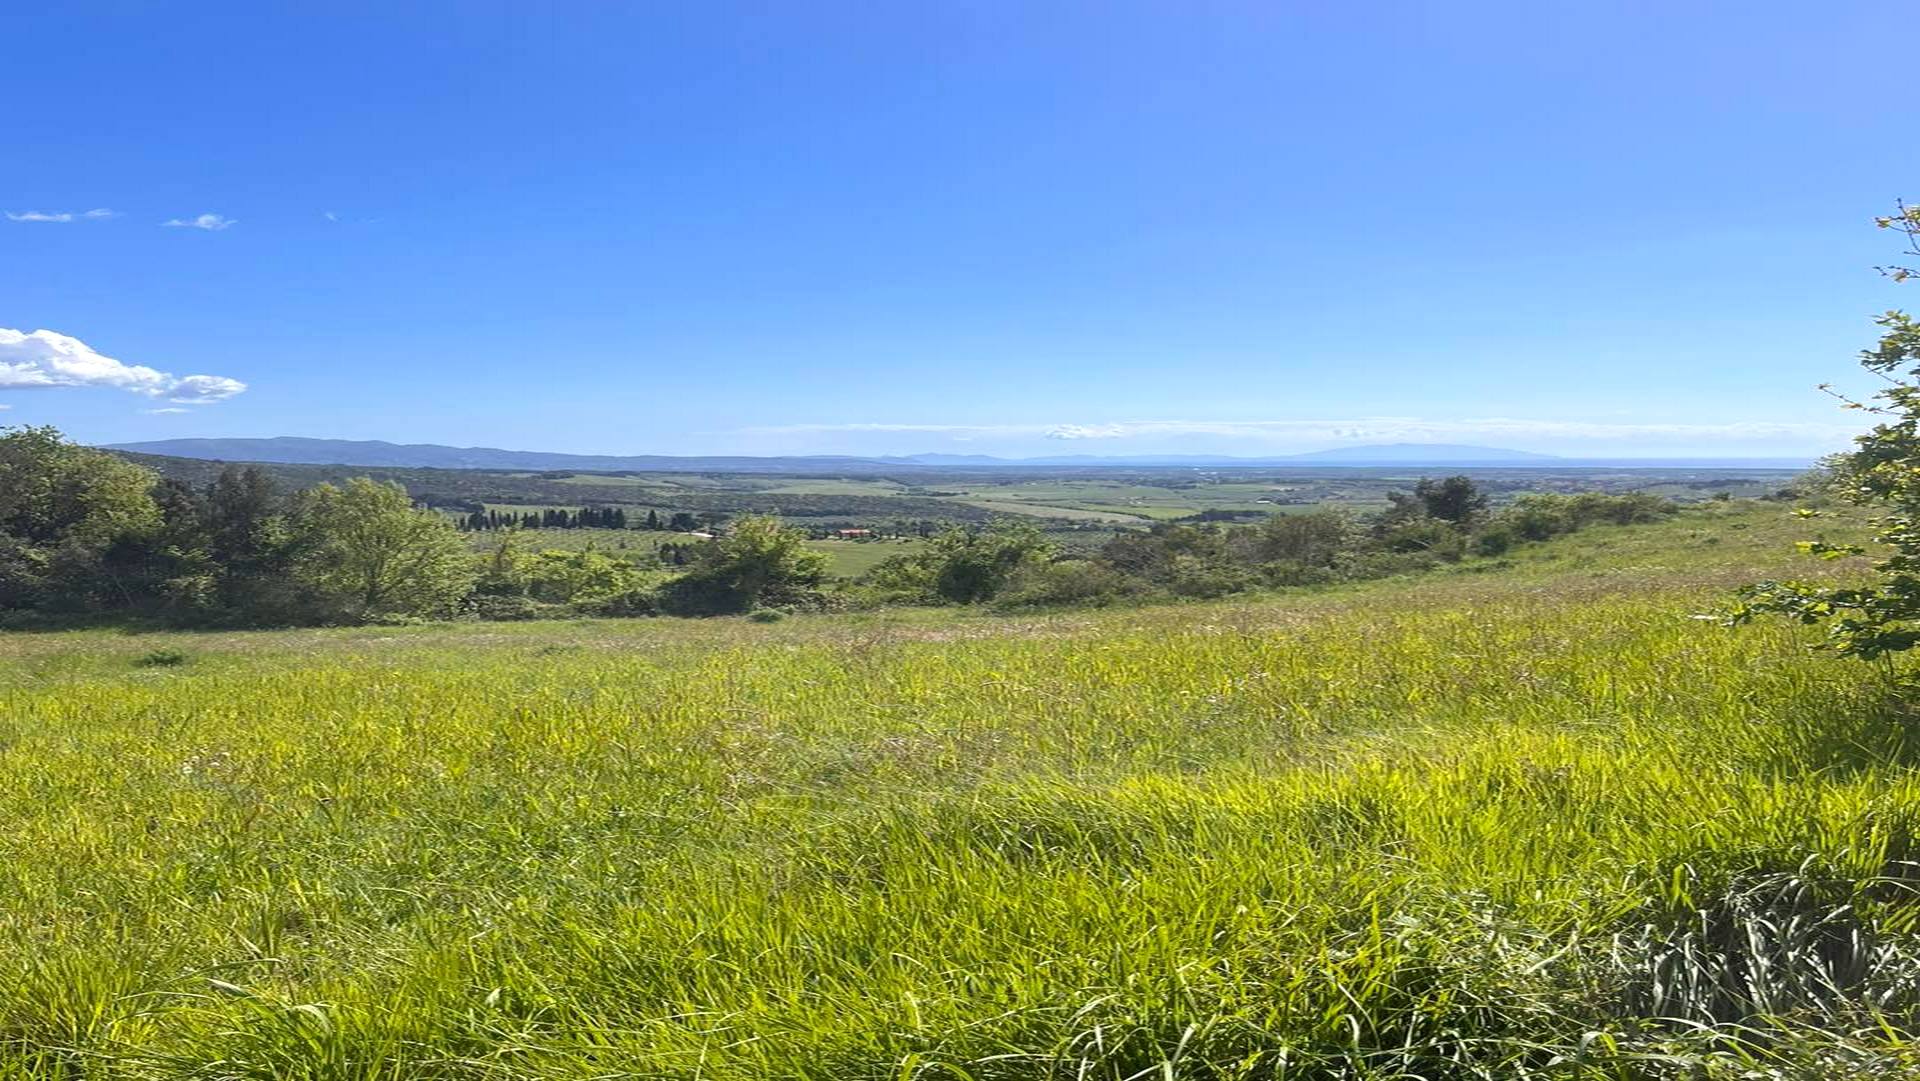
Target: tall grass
[{"x": 1537, "y": 822}]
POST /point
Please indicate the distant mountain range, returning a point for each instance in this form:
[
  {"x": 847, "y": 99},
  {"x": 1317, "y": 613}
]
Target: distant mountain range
[
  {"x": 1421, "y": 454},
  {"x": 295, "y": 450},
  {"x": 377, "y": 453}
]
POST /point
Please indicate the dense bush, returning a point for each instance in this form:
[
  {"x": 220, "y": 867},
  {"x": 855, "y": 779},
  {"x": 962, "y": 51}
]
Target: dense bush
[
  {"x": 963, "y": 567},
  {"x": 759, "y": 562},
  {"x": 1067, "y": 582}
]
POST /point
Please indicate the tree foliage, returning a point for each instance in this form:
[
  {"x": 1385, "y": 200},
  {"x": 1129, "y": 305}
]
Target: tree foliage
[
  {"x": 1453, "y": 499},
  {"x": 372, "y": 553},
  {"x": 69, "y": 516},
  {"x": 961, "y": 566},
  {"x": 759, "y": 562},
  {"x": 1883, "y": 471}
]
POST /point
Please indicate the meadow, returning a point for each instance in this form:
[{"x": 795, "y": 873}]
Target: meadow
[
  {"x": 845, "y": 558},
  {"x": 1541, "y": 816}
]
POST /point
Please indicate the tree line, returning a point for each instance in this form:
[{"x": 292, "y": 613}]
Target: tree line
[
  {"x": 86, "y": 534},
  {"x": 475, "y": 518},
  {"x": 83, "y": 533},
  {"x": 485, "y": 521}
]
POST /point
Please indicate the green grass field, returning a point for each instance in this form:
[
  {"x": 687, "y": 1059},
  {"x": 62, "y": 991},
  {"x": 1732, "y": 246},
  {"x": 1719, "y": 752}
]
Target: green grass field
[
  {"x": 847, "y": 559},
  {"x": 838, "y": 487},
  {"x": 603, "y": 480},
  {"x": 1121, "y": 501},
  {"x": 1489, "y": 823},
  {"x": 1045, "y": 510},
  {"x": 851, "y": 559}
]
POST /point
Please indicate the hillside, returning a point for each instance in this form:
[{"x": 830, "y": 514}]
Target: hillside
[{"x": 1452, "y": 825}]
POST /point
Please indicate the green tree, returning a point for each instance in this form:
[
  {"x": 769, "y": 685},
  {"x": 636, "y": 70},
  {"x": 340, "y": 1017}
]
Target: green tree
[
  {"x": 1315, "y": 539},
  {"x": 369, "y": 552},
  {"x": 1453, "y": 499},
  {"x": 252, "y": 546},
  {"x": 73, "y": 521},
  {"x": 577, "y": 577},
  {"x": 759, "y": 561},
  {"x": 1883, "y": 471},
  {"x": 1299, "y": 549},
  {"x": 962, "y": 566},
  {"x": 503, "y": 569}
]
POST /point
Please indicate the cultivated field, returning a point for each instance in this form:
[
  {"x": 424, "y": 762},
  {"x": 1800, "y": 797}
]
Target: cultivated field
[
  {"x": 1489, "y": 823},
  {"x": 1061, "y": 499},
  {"x": 846, "y": 558}
]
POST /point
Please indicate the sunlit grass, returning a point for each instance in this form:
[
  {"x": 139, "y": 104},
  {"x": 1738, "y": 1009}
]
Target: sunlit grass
[{"x": 1491, "y": 823}]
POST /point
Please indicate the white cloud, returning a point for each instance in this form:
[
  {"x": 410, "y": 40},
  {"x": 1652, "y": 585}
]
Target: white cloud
[
  {"x": 212, "y": 223},
  {"x": 1364, "y": 430},
  {"x": 329, "y": 215},
  {"x": 44, "y": 359},
  {"x": 204, "y": 389},
  {"x": 98, "y": 214},
  {"x": 1088, "y": 431},
  {"x": 165, "y": 411}
]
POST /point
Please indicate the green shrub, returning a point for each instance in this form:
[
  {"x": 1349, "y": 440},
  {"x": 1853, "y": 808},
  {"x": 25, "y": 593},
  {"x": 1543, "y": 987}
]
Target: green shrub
[
  {"x": 1496, "y": 539},
  {"x": 1292, "y": 572},
  {"x": 758, "y": 562},
  {"x": 1067, "y": 582},
  {"x": 1426, "y": 536},
  {"x": 1201, "y": 578},
  {"x": 962, "y": 566}
]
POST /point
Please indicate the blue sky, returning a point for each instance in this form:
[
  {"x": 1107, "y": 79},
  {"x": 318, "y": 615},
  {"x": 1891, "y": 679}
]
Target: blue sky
[{"x": 1013, "y": 228}]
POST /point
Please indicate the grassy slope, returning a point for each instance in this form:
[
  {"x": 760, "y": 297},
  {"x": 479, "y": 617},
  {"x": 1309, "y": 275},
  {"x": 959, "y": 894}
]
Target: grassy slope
[{"x": 1332, "y": 832}]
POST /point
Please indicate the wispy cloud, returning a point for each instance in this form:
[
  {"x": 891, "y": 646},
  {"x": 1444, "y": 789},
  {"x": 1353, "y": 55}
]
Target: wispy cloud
[
  {"x": 212, "y": 223},
  {"x": 203, "y": 389},
  {"x": 1088, "y": 431},
  {"x": 166, "y": 411},
  {"x": 44, "y": 359},
  {"x": 64, "y": 216},
  {"x": 1359, "y": 429}
]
